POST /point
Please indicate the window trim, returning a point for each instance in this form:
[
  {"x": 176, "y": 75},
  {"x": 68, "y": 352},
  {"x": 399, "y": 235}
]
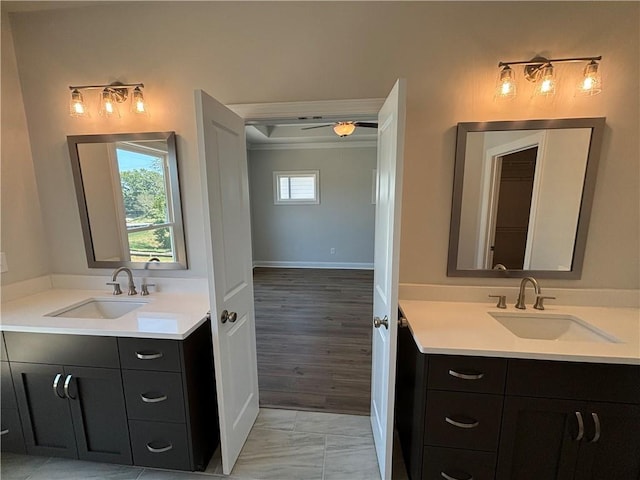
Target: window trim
[{"x": 296, "y": 173}]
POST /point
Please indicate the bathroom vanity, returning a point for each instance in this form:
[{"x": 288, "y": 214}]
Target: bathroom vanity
[
  {"x": 473, "y": 400},
  {"x": 136, "y": 389}
]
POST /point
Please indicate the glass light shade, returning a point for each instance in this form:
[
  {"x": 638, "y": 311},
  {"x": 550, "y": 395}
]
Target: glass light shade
[
  {"x": 344, "y": 129},
  {"x": 108, "y": 106},
  {"x": 591, "y": 82},
  {"x": 77, "y": 108},
  {"x": 546, "y": 84},
  {"x": 138, "y": 104},
  {"x": 506, "y": 86}
]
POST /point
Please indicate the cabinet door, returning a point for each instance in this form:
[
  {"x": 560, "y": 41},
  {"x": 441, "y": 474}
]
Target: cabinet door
[
  {"x": 538, "y": 440},
  {"x": 611, "y": 448},
  {"x": 45, "y": 414},
  {"x": 99, "y": 415}
]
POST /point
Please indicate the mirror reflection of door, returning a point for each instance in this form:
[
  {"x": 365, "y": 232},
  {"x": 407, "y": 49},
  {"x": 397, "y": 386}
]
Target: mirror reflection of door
[{"x": 514, "y": 188}]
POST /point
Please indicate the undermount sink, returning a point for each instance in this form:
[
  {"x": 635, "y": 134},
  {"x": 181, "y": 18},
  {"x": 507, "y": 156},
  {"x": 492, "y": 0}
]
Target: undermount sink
[
  {"x": 96, "y": 308},
  {"x": 549, "y": 326}
]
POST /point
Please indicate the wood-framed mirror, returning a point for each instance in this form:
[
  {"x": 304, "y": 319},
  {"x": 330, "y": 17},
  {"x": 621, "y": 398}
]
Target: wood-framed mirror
[
  {"x": 128, "y": 195},
  {"x": 522, "y": 197}
]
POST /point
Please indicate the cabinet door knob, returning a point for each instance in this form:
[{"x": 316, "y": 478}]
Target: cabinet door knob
[
  {"x": 596, "y": 423},
  {"x": 450, "y": 477},
  {"x": 56, "y": 382},
  {"x": 149, "y": 355},
  {"x": 160, "y": 449},
  {"x": 461, "y": 424},
  {"x": 580, "y": 434},
  {"x": 67, "y": 383},
  {"x": 466, "y": 376},
  {"x": 158, "y": 399}
]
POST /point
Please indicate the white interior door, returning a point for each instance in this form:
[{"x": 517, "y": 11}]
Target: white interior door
[
  {"x": 223, "y": 163},
  {"x": 391, "y": 120}
]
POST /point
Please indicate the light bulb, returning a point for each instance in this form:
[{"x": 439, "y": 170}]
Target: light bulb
[
  {"x": 108, "y": 106},
  {"x": 506, "y": 87},
  {"x": 344, "y": 129},
  {"x": 547, "y": 82},
  {"x": 77, "y": 108},
  {"x": 591, "y": 83},
  {"x": 138, "y": 104}
]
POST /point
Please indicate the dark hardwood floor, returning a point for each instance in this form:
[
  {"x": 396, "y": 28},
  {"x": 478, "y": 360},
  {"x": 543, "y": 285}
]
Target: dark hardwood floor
[{"x": 313, "y": 336}]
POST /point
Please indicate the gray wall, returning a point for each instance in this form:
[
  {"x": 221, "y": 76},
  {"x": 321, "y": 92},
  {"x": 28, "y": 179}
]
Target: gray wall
[
  {"x": 246, "y": 52},
  {"x": 304, "y": 234}
]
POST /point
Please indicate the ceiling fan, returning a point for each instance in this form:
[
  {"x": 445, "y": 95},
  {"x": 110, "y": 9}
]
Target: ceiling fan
[{"x": 344, "y": 129}]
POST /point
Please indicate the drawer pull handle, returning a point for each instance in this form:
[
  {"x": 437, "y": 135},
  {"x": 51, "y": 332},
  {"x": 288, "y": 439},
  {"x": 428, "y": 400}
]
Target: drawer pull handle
[
  {"x": 56, "y": 382},
  {"x": 158, "y": 399},
  {"x": 596, "y": 422},
  {"x": 4, "y": 432},
  {"x": 455, "y": 423},
  {"x": 159, "y": 450},
  {"x": 580, "y": 427},
  {"x": 449, "y": 477},
  {"x": 466, "y": 376},
  {"x": 149, "y": 356}
]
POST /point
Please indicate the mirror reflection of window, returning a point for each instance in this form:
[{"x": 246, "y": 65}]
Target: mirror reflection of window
[{"x": 142, "y": 168}]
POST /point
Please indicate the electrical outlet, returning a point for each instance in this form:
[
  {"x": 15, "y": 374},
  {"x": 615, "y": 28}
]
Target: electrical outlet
[
  {"x": 3, "y": 263},
  {"x": 332, "y": 251}
]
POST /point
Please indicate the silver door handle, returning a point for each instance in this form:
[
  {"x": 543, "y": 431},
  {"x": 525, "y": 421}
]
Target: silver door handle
[
  {"x": 580, "y": 427},
  {"x": 449, "y": 477},
  {"x": 4, "y": 432},
  {"x": 56, "y": 382},
  {"x": 377, "y": 321},
  {"x": 159, "y": 450},
  {"x": 230, "y": 316},
  {"x": 158, "y": 399},
  {"x": 456, "y": 423},
  {"x": 466, "y": 376},
  {"x": 149, "y": 356},
  {"x": 596, "y": 422},
  {"x": 67, "y": 382}
]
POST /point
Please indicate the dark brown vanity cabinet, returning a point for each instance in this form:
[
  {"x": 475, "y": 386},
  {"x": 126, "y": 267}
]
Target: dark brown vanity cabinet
[
  {"x": 463, "y": 417},
  {"x": 70, "y": 396},
  {"x": 11, "y": 438},
  {"x": 120, "y": 400}
]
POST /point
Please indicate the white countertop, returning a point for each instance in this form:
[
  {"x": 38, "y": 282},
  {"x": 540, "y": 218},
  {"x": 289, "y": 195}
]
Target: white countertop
[
  {"x": 465, "y": 328},
  {"x": 164, "y": 315}
]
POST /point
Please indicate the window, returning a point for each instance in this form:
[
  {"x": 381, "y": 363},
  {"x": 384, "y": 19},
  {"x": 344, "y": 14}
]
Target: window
[{"x": 296, "y": 187}]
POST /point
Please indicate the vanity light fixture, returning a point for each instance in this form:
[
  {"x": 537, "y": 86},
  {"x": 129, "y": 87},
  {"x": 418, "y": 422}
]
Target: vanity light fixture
[
  {"x": 540, "y": 71},
  {"x": 110, "y": 96}
]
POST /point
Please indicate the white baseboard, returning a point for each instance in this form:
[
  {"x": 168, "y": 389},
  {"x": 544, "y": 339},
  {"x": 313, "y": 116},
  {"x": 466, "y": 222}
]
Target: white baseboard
[{"x": 336, "y": 265}]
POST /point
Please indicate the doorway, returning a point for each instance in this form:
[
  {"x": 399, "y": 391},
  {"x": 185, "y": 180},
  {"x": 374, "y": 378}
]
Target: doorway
[{"x": 313, "y": 261}]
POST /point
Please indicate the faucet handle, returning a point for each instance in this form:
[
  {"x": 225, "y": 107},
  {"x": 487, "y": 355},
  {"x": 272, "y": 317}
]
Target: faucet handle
[
  {"x": 502, "y": 300},
  {"x": 132, "y": 289},
  {"x": 145, "y": 288},
  {"x": 539, "y": 305},
  {"x": 116, "y": 288}
]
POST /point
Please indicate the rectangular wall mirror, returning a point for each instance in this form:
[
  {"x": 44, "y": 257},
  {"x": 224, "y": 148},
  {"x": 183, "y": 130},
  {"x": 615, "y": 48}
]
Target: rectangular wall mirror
[
  {"x": 129, "y": 200},
  {"x": 522, "y": 197}
]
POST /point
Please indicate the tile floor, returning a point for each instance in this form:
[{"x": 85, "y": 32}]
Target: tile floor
[{"x": 283, "y": 445}]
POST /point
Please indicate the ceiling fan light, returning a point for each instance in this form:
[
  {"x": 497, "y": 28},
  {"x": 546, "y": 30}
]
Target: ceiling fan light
[{"x": 344, "y": 129}]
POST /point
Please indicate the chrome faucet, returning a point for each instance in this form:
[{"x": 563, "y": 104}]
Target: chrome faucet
[
  {"x": 520, "y": 303},
  {"x": 116, "y": 285}
]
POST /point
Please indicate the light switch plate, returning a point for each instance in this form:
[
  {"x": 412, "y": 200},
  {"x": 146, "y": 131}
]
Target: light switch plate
[{"x": 3, "y": 263}]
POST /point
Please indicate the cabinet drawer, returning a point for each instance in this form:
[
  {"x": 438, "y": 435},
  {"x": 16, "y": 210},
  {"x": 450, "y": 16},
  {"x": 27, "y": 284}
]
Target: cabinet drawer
[
  {"x": 12, "y": 439},
  {"x": 574, "y": 381},
  {"x": 463, "y": 420},
  {"x": 81, "y": 350},
  {"x": 467, "y": 374},
  {"x": 154, "y": 395},
  {"x": 150, "y": 354},
  {"x": 7, "y": 394},
  {"x": 450, "y": 463},
  {"x": 162, "y": 445}
]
